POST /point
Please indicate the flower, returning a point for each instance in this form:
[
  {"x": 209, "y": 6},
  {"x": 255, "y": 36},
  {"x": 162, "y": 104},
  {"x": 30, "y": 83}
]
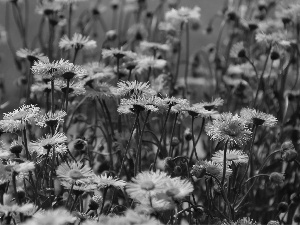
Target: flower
[
  {"x": 141, "y": 219},
  {"x": 50, "y": 71},
  {"x": 134, "y": 88},
  {"x": 177, "y": 105},
  {"x": 183, "y": 15},
  {"x": 146, "y": 184},
  {"x": 75, "y": 172},
  {"x": 58, "y": 216},
  {"x": 232, "y": 156},
  {"x": 79, "y": 187},
  {"x": 276, "y": 178},
  {"x": 136, "y": 105},
  {"x": 210, "y": 105},
  {"x": 97, "y": 71},
  {"x": 76, "y": 88},
  {"x": 101, "y": 91},
  {"x": 211, "y": 168},
  {"x": 238, "y": 50},
  {"x": 198, "y": 110},
  {"x": 23, "y": 167},
  {"x": 104, "y": 181},
  {"x": 77, "y": 42},
  {"x": 145, "y": 45},
  {"x": 26, "y": 209},
  {"x": 258, "y": 118},
  {"x": 48, "y": 7},
  {"x": 177, "y": 188},
  {"x": 51, "y": 119},
  {"x": 5, "y": 175},
  {"x": 31, "y": 55},
  {"x": 245, "y": 221},
  {"x": 11, "y": 126},
  {"x": 41, "y": 87},
  {"x": 4, "y": 153},
  {"x": 25, "y": 113},
  {"x": 43, "y": 145},
  {"x": 229, "y": 128},
  {"x": 117, "y": 53},
  {"x": 149, "y": 62}
]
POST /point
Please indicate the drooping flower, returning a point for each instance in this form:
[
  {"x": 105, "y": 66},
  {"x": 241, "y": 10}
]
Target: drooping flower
[
  {"x": 146, "y": 184},
  {"x": 232, "y": 156},
  {"x": 75, "y": 172},
  {"x": 258, "y": 118},
  {"x": 77, "y": 42},
  {"x": 229, "y": 128}
]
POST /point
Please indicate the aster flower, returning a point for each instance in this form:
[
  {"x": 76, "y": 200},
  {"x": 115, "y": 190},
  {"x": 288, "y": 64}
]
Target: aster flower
[
  {"x": 197, "y": 110},
  {"x": 146, "y": 184},
  {"x": 97, "y": 71},
  {"x": 80, "y": 187},
  {"x": 153, "y": 46},
  {"x": 238, "y": 50},
  {"x": 75, "y": 172},
  {"x": 229, "y": 128},
  {"x": 210, "y": 167},
  {"x": 25, "y": 113},
  {"x": 70, "y": 71},
  {"x": 177, "y": 188},
  {"x": 117, "y": 53},
  {"x": 147, "y": 62},
  {"x": 183, "y": 15},
  {"x": 177, "y": 105},
  {"x": 58, "y": 216},
  {"x": 77, "y": 42},
  {"x": 279, "y": 38},
  {"x": 232, "y": 156},
  {"x": 142, "y": 219},
  {"x": 51, "y": 70},
  {"x": 211, "y": 105},
  {"x": 26, "y": 209},
  {"x": 43, "y": 145},
  {"x": 16, "y": 147},
  {"x": 101, "y": 91},
  {"x": 4, "y": 153},
  {"x": 134, "y": 88},
  {"x": 48, "y": 7},
  {"x": 104, "y": 181},
  {"x": 10, "y": 126},
  {"x": 51, "y": 119},
  {"x": 31, "y": 55},
  {"x": 75, "y": 87},
  {"x": 23, "y": 167},
  {"x": 245, "y": 221},
  {"x": 258, "y": 118},
  {"x": 134, "y": 105}
]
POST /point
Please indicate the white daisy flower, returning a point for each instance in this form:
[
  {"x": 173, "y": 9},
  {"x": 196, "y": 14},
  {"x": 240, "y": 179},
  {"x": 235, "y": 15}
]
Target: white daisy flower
[
  {"x": 104, "y": 181},
  {"x": 232, "y": 156},
  {"x": 78, "y": 41}
]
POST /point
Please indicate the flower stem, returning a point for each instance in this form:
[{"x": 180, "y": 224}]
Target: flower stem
[
  {"x": 52, "y": 96},
  {"x": 187, "y": 54},
  {"x": 194, "y": 143},
  {"x": 67, "y": 94},
  {"x": 172, "y": 134}
]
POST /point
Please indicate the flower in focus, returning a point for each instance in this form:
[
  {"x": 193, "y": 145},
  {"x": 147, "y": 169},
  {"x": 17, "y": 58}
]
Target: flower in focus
[
  {"x": 258, "y": 118},
  {"x": 146, "y": 184},
  {"x": 177, "y": 105},
  {"x": 77, "y": 42},
  {"x": 210, "y": 167},
  {"x": 51, "y": 119},
  {"x": 25, "y": 113},
  {"x": 232, "y": 156},
  {"x": 229, "y": 128},
  {"x": 104, "y": 181},
  {"x": 75, "y": 172},
  {"x": 134, "y": 88}
]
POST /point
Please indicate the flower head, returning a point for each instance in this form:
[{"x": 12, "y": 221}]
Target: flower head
[
  {"x": 183, "y": 15},
  {"x": 258, "y": 118},
  {"x": 101, "y": 91},
  {"x": 149, "y": 62},
  {"x": 104, "y": 181},
  {"x": 134, "y": 88},
  {"x": 75, "y": 172},
  {"x": 211, "y": 168},
  {"x": 31, "y": 55},
  {"x": 117, "y": 53},
  {"x": 50, "y": 119},
  {"x": 77, "y": 42},
  {"x": 229, "y": 128},
  {"x": 177, "y": 188},
  {"x": 232, "y": 156}
]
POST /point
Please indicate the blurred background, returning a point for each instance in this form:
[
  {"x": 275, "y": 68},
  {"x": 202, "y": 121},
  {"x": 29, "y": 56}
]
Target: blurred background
[{"x": 9, "y": 73}]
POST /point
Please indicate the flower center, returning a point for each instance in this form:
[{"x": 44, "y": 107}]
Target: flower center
[
  {"x": 233, "y": 129},
  {"x": 75, "y": 174},
  {"x": 231, "y": 157},
  {"x": 172, "y": 192},
  {"x": 148, "y": 185}
]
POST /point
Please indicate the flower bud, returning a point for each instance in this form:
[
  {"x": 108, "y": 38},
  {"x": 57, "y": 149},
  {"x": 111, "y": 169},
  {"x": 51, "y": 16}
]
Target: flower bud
[
  {"x": 169, "y": 163},
  {"x": 175, "y": 141},
  {"x": 188, "y": 135},
  {"x": 282, "y": 207},
  {"x": 274, "y": 55},
  {"x": 80, "y": 144},
  {"x": 111, "y": 35},
  {"x": 289, "y": 155},
  {"x": 276, "y": 178},
  {"x": 198, "y": 171},
  {"x": 297, "y": 218}
]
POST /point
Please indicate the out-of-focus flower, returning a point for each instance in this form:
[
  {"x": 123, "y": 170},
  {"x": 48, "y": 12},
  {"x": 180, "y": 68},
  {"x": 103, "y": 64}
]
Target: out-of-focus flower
[
  {"x": 276, "y": 178},
  {"x": 232, "y": 156},
  {"x": 48, "y": 8},
  {"x": 77, "y": 42},
  {"x": 153, "y": 46},
  {"x": 183, "y": 15},
  {"x": 229, "y": 128},
  {"x": 177, "y": 188},
  {"x": 101, "y": 91},
  {"x": 104, "y": 181},
  {"x": 197, "y": 110},
  {"x": 26, "y": 209},
  {"x": 117, "y": 53},
  {"x": 149, "y": 62},
  {"x": 258, "y": 118},
  {"x": 4, "y": 153},
  {"x": 75, "y": 87},
  {"x": 3, "y": 35},
  {"x": 178, "y": 105},
  {"x": 75, "y": 172},
  {"x": 58, "y": 216},
  {"x": 210, "y": 105},
  {"x": 31, "y": 55},
  {"x": 238, "y": 50}
]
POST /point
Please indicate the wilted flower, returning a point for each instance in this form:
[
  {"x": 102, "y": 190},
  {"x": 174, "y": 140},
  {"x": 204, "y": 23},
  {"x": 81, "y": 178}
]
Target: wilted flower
[
  {"x": 229, "y": 128},
  {"x": 77, "y": 42}
]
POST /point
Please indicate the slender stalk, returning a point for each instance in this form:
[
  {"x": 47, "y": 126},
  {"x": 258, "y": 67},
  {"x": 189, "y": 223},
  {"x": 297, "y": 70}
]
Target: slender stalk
[
  {"x": 224, "y": 163},
  {"x": 161, "y": 138},
  {"x": 103, "y": 202},
  {"x": 128, "y": 143},
  {"x": 69, "y": 195},
  {"x": 172, "y": 134},
  {"x": 14, "y": 174},
  {"x": 74, "y": 202},
  {"x": 194, "y": 143},
  {"x": 178, "y": 58},
  {"x": 52, "y": 96},
  {"x": 67, "y": 94},
  {"x": 187, "y": 55},
  {"x": 75, "y": 54},
  {"x": 70, "y": 20},
  {"x": 138, "y": 166}
]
